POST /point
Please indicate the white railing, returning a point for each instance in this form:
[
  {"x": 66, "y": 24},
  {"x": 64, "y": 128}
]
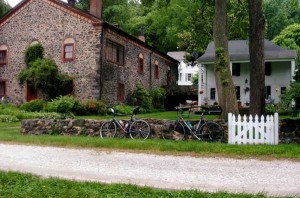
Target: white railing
[{"x": 246, "y": 130}]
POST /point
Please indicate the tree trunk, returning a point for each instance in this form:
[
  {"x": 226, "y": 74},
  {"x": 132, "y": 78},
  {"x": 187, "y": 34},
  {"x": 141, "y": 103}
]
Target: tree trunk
[
  {"x": 224, "y": 82},
  {"x": 257, "y": 64}
]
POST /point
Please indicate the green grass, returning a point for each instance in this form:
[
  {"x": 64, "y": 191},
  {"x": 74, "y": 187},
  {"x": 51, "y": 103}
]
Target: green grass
[
  {"x": 14, "y": 184},
  {"x": 10, "y": 132}
]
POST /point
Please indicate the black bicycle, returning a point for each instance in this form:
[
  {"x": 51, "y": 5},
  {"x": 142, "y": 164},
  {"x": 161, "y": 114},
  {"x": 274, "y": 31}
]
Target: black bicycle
[
  {"x": 204, "y": 130},
  {"x": 135, "y": 128}
]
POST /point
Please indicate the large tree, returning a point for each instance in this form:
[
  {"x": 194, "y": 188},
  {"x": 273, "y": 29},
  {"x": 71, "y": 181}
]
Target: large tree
[
  {"x": 257, "y": 64},
  {"x": 225, "y": 86}
]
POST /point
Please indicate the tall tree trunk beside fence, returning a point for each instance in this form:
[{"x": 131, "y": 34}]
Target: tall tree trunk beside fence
[
  {"x": 257, "y": 64},
  {"x": 224, "y": 82}
]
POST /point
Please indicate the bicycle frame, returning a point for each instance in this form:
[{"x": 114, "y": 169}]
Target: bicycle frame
[{"x": 124, "y": 128}]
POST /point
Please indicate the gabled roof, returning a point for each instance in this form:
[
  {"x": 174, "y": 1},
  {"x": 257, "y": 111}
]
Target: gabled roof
[
  {"x": 177, "y": 55},
  {"x": 239, "y": 51},
  {"x": 82, "y": 15}
]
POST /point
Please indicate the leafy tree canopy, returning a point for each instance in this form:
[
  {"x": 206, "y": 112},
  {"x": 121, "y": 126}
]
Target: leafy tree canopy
[{"x": 4, "y": 7}]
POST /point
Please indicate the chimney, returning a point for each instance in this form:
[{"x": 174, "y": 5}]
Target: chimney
[
  {"x": 142, "y": 34},
  {"x": 96, "y": 8},
  {"x": 71, "y": 2}
]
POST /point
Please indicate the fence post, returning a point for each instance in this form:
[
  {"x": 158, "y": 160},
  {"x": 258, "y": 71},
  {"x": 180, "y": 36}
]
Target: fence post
[
  {"x": 276, "y": 126},
  {"x": 230, "y": 128}
]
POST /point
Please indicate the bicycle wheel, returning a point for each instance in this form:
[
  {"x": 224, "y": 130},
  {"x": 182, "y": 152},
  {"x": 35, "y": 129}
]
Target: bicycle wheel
[
  {"x": 108, "y": 129},
  {"x": 210, "y": 131},
  {"x": 176, "y": 132},
  {"x": 139, "y": 129}
]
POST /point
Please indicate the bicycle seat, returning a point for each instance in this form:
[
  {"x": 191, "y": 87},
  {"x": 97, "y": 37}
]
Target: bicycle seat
[{"x": 136, "y": 110}]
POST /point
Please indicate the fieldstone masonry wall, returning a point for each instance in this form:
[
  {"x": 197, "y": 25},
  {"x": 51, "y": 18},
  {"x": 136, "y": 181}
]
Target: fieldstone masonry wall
[
  {"x": 289, "y": 129},
  {"x": 49, "y": 24}
]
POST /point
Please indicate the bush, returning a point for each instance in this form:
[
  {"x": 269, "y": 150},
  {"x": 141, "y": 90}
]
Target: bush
[
  {"x": 33, "y": 53},
  {"x": 158, "y": 97},
  {"x": 143, "y": 98},
  {"x": 96, "y": 107},
  {"x": 33, "y": 106},
  {"x": 62, "y": 104},
  {"x": 8, "y": 118}
]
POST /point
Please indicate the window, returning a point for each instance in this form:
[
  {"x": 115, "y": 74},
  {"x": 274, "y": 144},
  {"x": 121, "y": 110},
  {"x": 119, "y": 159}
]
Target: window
[
  {"x": 168, "y": 76},
  {"x": 2, "y": 89},
  {"x": 180, "y": 77},
  {"x": 121, "y": 92},
  {"x": 156, "y": 72},
  {"x": 189, "y": 77},
  {"x": 282, "y": 90},
  {"x": 3, "y": 55},
  {"x": 69, "y": 49},
  {"x": 141, "y": 64},
  {"x": 268, "y": 68},
  {"x": 268, "y": 92},
  {"x": 212, "y": 93},
  {"x": 238, "y": 92},
  {"x": 115, "y": 52},
  {"x": 236, "y": 69}
]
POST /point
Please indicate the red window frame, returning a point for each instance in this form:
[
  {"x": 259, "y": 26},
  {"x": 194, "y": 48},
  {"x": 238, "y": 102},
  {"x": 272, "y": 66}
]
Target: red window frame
[
  {"x": 3, "y": 53},
  {"x": 2, "y": 88},
  {"x": 141, "y": 65},
  {"x": 72, "y": 52}
]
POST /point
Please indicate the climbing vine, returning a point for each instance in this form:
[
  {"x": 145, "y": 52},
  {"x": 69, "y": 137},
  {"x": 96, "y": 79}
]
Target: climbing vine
[{"x": 221, "y": 65}]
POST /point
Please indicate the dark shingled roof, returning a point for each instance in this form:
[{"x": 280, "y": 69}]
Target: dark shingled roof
[{"x": 239, "y": 51}]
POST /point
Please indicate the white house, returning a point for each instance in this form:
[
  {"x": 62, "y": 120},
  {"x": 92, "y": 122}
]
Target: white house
[
  {"x": 185, "y": 71},
  {"x": 279, "y": 71}
]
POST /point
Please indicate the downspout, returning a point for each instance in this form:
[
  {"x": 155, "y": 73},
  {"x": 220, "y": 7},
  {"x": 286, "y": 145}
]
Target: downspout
[{"x": 101, "y": 62}]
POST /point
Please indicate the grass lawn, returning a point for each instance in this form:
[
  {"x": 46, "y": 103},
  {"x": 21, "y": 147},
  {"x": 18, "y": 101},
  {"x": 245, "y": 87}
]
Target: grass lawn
[
  {"x": 14, "y": 184},
  {"x": 10, "y": 133}
]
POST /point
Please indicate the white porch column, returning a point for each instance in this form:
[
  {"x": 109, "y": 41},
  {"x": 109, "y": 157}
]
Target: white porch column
[
  {"x": 199, "y": 85},
  {"x": 293, "y": 66}
]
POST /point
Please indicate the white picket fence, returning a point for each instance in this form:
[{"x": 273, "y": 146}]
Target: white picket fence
[{"x": 246, "y": 130}]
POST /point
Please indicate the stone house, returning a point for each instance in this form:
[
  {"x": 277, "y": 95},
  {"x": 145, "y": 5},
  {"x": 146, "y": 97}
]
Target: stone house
[
  {"x": 104, "y": 61},
  {"x": 279, "y": 71}
]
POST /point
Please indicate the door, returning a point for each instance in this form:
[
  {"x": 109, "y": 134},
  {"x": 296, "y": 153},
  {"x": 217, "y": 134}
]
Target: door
[{"x": 31, "y": 93}]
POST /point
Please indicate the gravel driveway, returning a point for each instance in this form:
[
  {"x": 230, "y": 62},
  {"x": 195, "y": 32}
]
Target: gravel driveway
[{"x": 161, "y": 171}]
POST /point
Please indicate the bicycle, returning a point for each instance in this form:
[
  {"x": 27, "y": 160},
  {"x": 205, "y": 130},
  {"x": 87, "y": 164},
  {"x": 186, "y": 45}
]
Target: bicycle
[
  {"x": 135, "y": 128},
  {"x": 204, "y": 130}
]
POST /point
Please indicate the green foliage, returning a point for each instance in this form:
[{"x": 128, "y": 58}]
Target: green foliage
[
  {"x": 195, "y": 79},
  {"x": 158, "y": 97},
  {"x": 8, "y": 118},
  {"x": 34, "y": 52},
  {"x": 124, "y": 109},
  {"x": 43, "y": 75},
  {"x": 143, "y": 98},
  {"x": 32, "y": 106},
  {"x": 4, "y": 7},
  {"x": 293, "y": 94},
  {"x": 95, "y": 107},
  {"x": 62, "y": 104},
  {"x": 279, "y": 14}
]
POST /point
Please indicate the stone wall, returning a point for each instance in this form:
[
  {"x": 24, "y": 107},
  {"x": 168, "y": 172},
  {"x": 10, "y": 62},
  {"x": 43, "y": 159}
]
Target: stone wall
[
  {"x": 289, "y": 129},
  {"x": 50, "y": 24},
  {"x": 128, "y": 74},
  {"x": 77, "y": 127}
]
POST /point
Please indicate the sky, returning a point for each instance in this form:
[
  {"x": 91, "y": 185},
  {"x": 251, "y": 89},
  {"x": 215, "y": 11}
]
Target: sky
[{"x": 15, "y": 2}]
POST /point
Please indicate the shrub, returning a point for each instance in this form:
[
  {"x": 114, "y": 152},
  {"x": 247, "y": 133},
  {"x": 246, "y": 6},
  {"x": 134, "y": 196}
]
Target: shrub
[
  {"x": 33, "y": 53},
  {"x": 143, "y": 98},
  {"x": 62, "y": 104},
  {"x": 158, "y": 97},
  {"x": 8, "y": 118},
  {"x": 96, "y": 107},
  {"x": 34, "y": 105}
]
